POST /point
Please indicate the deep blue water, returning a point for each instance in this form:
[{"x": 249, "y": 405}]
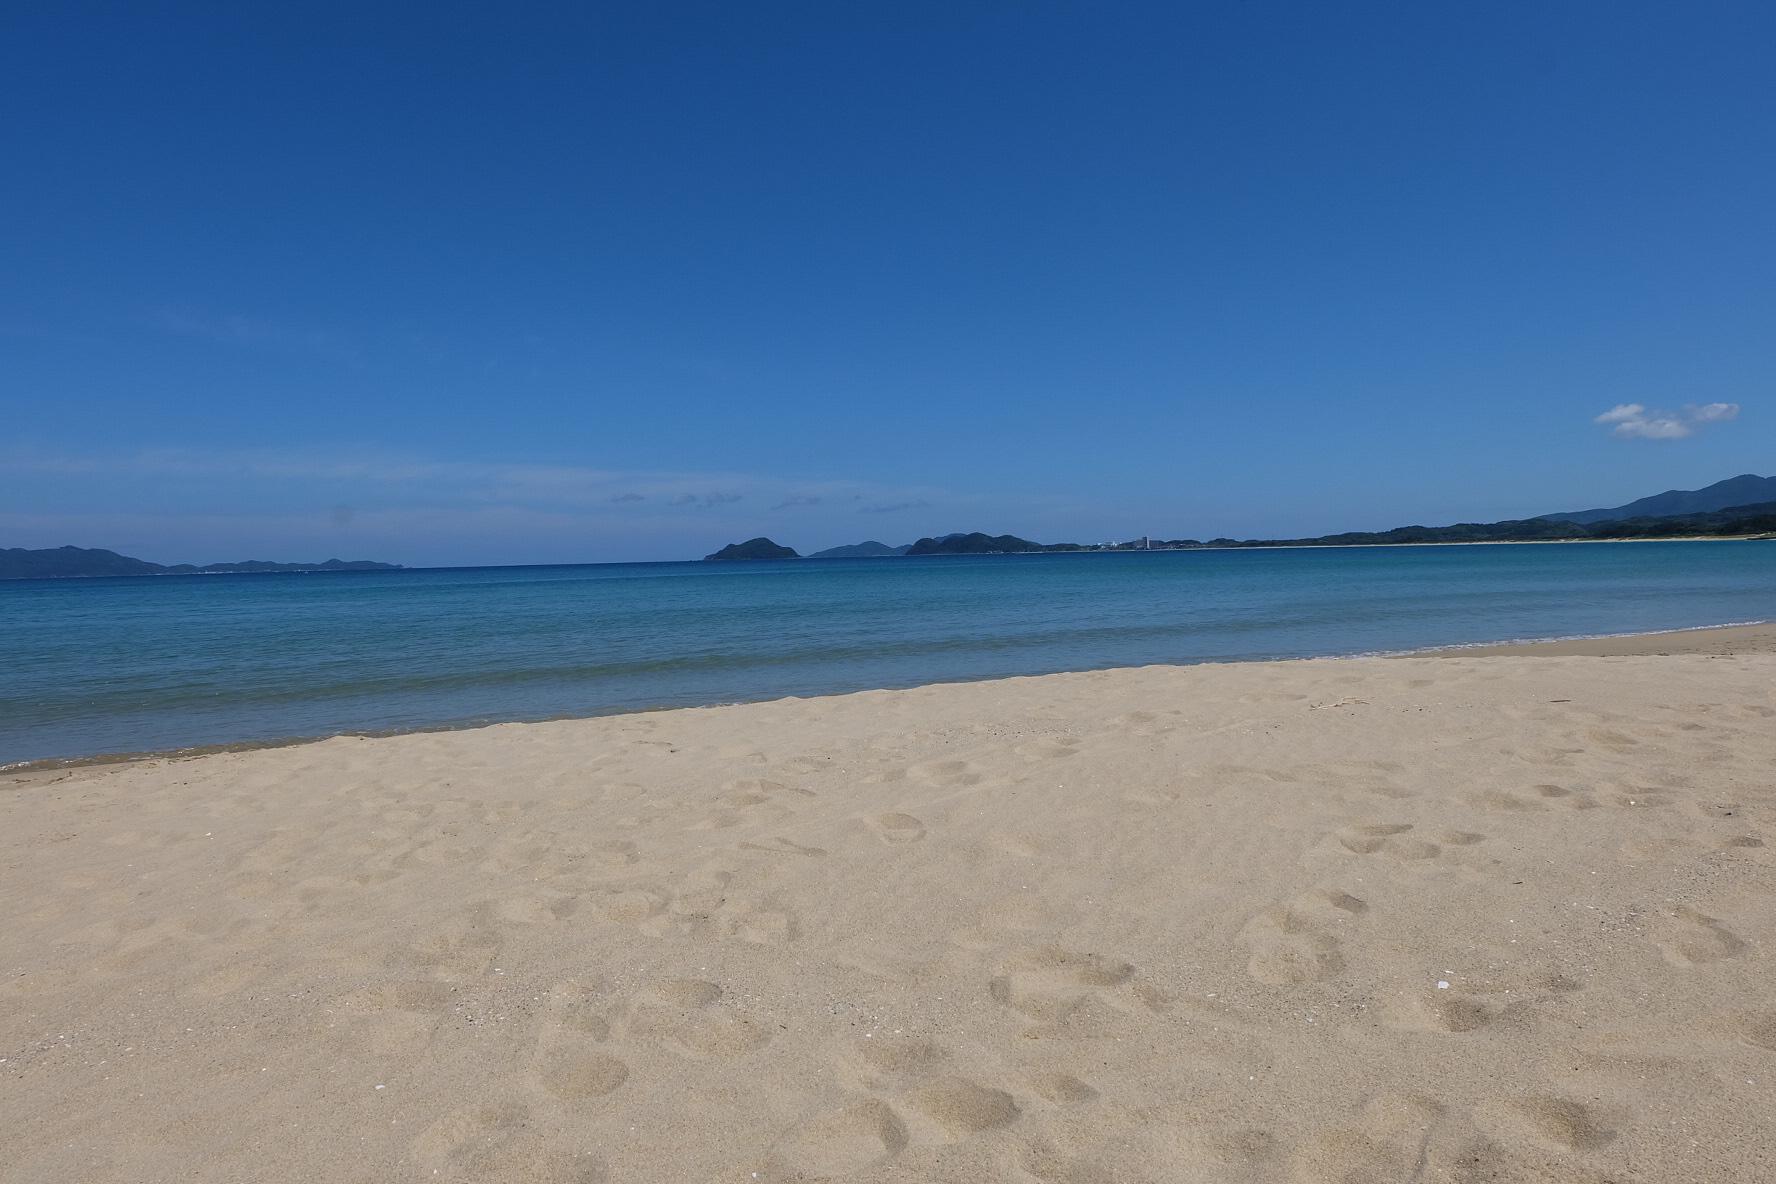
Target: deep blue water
[{"x": 149, "y": 663}]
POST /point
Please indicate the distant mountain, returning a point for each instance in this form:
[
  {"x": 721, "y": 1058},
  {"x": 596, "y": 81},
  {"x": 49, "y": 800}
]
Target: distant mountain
[
  {"x": 18, "y": 563},
  {"x": 976, "y": 543},
  {"x": 1734, "y": 521},
  {"x": 251, "y": 566},
  {"x": 865, "y": 550},
  {"x": 1743, "y": 490},
  {"x": 1740, "y": 507},
  {"x": 759, "y": 548}
]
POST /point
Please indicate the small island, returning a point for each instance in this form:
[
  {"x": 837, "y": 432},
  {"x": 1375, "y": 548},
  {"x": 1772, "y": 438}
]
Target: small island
[{"x": 759, "y": 548}]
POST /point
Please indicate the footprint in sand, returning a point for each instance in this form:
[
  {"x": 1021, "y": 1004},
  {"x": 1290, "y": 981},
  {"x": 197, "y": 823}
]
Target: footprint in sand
[
  {"x": 540, "y": 909},
  {"x": 1455, "y": 1010},
  {"x": 947, "y": 773},
  {"x": 1146, "y": 723},
  {"x": 1233, "y": 1154},
  {"x": 782, "y": 846},
  {"x": 958, "y": 1108},
  {"x": 1614, "y": 740},
  {"x": 569, "y": 1062},
  {"x": 1572, "y": 799},
  {"x": 1691, "y": 938},
  {"x": 860, "y": 1134},
  {"x": 1290, "y": 944},
  {"x": 754, "y": 791},
  {"x": 1390, "y": 839},
  {"x": 889, "y": 1063},
  {"x": 897, "y": 828},
  {"x": 919, "y": 1096},
  {"x": 690, "y": 1017},
  {"x": 1049, "y": 983},
  {"x": 1062, "y": 1089},
  {"x": 467, "y": 1142},
  {"x": 760, "y": 926},
  {"x": 498, "y": 1142},
  {"x": 631, "y": 906},
  {"x": 1443, "y": 1011},
  {"x": 1365, "y": 840},
  {"x": 396, "y": 1017},
  {"x": 1561, "y": 1123},
  {"x": 1758, "y": 1029},
  {"x": 705, "y": 905},
  {"x": 576, "y": 1008},
  {"x": 572, "y": 1071},
  {"x": 1498, "y": 799},
  {"x": 459, "y": 951},
  {"x": 1388, "y": 1141},
  {"x": 1048, "y": 749}
]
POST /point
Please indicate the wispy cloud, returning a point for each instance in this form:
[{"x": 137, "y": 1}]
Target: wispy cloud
[
  {"x": 706, "y": 500},
  {"x": 1635, "y": 421},
  {"x": 252, "y": 332},
  {"x": 367, "y": 478},
  {"x": 1622, "y": 413},
  {"x": 892, "y": 507},
  {"x": 1713, "y": 412}
]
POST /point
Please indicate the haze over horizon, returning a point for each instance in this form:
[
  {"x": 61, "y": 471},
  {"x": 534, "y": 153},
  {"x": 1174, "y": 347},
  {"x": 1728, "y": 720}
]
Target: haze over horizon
[{"x": 460, "y": 286}]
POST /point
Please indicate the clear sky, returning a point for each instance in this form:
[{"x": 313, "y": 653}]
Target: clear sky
[{"x": 461, "y": 283}]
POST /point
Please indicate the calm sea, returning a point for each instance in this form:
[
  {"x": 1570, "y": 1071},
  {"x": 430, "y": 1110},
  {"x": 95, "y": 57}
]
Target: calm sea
[{"x": 150, "y": 663}]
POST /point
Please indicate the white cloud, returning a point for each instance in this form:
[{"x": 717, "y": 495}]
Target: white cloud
[
  {"x": 1658, "y": 427},
  {"x": 366, "y": 480},
  {"x": 1633, "y": 421},
  {"x": 1713, "y": 412}
]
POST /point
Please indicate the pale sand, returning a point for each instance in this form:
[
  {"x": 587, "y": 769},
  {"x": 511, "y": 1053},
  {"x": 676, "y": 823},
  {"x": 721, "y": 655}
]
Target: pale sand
[
  {"x": 1145, "y": 925},
  {"x": 1726, "y": 639}
]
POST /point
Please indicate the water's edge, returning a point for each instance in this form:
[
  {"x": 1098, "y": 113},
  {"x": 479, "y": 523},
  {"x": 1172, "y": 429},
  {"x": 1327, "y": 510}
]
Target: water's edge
[{"x": 28, "y": 770}]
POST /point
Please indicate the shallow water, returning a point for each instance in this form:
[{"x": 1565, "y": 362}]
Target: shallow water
[{"x": 148, "y": 663}]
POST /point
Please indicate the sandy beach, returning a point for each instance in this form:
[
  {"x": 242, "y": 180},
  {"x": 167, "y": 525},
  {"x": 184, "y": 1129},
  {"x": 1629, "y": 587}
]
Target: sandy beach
[
  {"x": 1721, "y": 641},
  {"x": 1463, "y": 917}
]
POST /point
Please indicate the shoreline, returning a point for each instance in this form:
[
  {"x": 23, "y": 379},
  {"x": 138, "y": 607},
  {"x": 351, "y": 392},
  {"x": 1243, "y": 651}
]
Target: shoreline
[
  {"x": 1453, "y": 917},
  {"x": 1733, "y": 637},
  {"x": 1737, "y": 638}
]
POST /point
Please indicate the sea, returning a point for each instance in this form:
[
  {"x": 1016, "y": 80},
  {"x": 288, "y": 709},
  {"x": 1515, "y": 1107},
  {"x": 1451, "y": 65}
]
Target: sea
[{"x": 159, "y": 663}]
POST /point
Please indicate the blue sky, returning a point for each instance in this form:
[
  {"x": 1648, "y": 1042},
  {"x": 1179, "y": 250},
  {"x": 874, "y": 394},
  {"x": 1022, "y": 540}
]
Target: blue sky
[{"x": 506, "y": 283}]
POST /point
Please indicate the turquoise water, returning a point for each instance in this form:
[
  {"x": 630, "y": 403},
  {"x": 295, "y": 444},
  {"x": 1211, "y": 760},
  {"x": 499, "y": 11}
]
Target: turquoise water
[{"x": 151, "y": 663}]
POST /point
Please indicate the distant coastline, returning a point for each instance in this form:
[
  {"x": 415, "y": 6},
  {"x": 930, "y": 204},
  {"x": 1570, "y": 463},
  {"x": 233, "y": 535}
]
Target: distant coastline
[
  {"x": 1718, "y": 511},
  {"x": 75, "y": 563}
]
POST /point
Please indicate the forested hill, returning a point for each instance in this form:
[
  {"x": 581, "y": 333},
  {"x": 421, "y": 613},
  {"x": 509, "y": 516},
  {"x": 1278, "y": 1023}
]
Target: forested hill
[{"x": 19, "y": 563}]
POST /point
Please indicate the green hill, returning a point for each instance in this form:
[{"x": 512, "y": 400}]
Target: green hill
[
  {"x": 1743, "y": 490},
  {"x": 759, "y": 548},
  {"x": 976, "y": 543},
  {"x": 865, "y": 550}
]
